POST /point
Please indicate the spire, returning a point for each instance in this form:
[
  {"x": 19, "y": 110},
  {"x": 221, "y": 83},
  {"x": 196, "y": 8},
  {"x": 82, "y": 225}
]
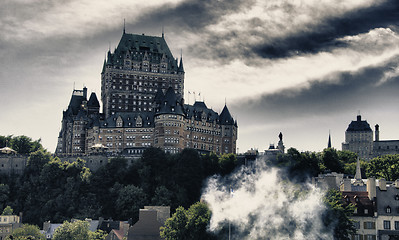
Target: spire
[
  {"x": 181, "y": 68},
  {"x": 358, "y": 175},
  {"x": 104, "y": 66},
  {"x": 329, "y": 140},
  {"x": 124, "y": 26}
]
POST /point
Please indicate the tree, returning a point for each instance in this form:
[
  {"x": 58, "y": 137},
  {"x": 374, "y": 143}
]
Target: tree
[
  {"x": 227, "y": 163},
  {"x": 189, "y": 176},
  {"x": 4, "y": 193},
  {"x": 72, "y": 230},
  {"x": 386, "y": 166},
  {"x": 26, "y": 232},
  {"x": 188, "y": 224},
  {"x": 337, "y": 216},
  {"x": 130, "y": 200},
  {"x": 7, "y": 211},
  {"x": 331, "y": 160},
  {"x": 22, "y": 144}
]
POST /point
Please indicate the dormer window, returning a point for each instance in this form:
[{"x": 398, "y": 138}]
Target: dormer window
[{"x": 388, "y": 209}]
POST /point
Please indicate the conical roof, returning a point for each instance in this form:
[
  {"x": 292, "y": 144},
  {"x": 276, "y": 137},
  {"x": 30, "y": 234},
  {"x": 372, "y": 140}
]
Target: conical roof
[
  {"x": 93, "y": 101},
  {"x": 225, "y": 117}
]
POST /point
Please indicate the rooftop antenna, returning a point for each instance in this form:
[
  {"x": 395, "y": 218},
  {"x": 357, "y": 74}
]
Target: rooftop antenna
[{"x": 74, "y": 86}]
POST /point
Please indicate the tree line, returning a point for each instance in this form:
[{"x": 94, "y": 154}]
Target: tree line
[
  {"x": 303, "y": 165},
  {"x": 50, "y": 189}
]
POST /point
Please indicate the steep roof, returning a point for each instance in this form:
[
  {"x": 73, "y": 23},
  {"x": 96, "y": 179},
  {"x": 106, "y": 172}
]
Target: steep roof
[
  {"x": 225, "y": 117},
  {"x": 358, "y": 125},
  {"x": 170, "y": 103},
  {"x": 75, "y": 104},
  {"x": 197, "y": 110},
  {"x": 93, "y": 101},
  {"x": 139, "y": 46},
  {"x": 181, "y": 68},
  {"x": 129, "y": 119},
  {"x": 361, "y": 201}
]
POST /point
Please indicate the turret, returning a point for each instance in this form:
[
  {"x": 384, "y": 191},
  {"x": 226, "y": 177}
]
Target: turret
[{"x": 377, "y": 133}]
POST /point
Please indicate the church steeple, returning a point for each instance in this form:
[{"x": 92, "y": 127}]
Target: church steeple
[
  {"x": 358, "y": 175},
  {"x": 329, "y": 140}
]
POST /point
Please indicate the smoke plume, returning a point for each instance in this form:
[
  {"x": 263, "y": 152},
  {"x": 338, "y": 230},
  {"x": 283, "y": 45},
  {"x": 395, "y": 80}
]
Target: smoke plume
[{"x": 258, "y": 203}]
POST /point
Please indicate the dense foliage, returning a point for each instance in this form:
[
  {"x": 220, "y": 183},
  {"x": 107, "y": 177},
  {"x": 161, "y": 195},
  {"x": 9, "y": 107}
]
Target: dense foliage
[
  {"x": 21, "y": 144},
  {"x": 302, "y": 166},
  {"x": 77, "y": 230},
  {"x": 50, "y": 189},
  {"x": 188, "y": 224},
  {"x": 337, "y": 216},
  {"x": 26, "y": 232}
]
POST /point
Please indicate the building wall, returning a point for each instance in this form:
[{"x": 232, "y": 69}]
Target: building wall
[
  {"x": 12, "y": 163},
  {"x": 133, "y": 88},
  {"x": 381, "y": 148},
  {"x": 360, "y": 142}
]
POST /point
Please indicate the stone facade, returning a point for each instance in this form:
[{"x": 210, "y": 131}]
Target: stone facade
[
  {"x": 142, "y": 87},
  {"x": 8, "y": 223},
  {"x": 359, "y": 139}
]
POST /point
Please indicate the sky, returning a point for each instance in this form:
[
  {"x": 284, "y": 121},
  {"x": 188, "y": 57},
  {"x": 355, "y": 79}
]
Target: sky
[{"x": 304, "y": 68}]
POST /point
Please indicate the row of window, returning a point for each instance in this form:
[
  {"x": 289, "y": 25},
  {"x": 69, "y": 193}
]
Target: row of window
[{"x": 201, "y": 130}]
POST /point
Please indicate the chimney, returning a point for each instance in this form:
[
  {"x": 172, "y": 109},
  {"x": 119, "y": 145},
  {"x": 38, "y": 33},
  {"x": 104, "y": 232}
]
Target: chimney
[
  {"x": 371, "y": 188},
  {"x": 85, "y": 93},
  {"x": 346, "y": 186},
  {"x": 46, "y": 226},
  {"x": 382, "y": 184},
  {"x": 377, "y": 132},
  {"x": 359, "y": 118}
]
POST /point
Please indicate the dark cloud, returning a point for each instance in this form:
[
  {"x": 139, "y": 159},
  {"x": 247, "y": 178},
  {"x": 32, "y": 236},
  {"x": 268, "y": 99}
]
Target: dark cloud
[
  {"x": 191, "y": 15},
  {"x": 317, "y": 36},
  {"x": 324, "y": 36},
  {"x": 340, "y": 92}
]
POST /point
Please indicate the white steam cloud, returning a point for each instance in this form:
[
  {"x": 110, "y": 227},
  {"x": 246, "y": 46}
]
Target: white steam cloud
[{"x": 259, "y": 204}]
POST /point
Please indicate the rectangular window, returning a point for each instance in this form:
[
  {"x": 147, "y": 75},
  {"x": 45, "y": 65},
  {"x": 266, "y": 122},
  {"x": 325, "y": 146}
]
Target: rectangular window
[
  {"x": 387, "y": 224},
  {"x": 369, "y": 237},
  {"x": 369, "y": 225},
  {"x": 357, "y": 224},
  {"x": 396, "y": 225}
]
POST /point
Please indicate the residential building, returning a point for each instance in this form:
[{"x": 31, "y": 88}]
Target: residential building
[
  {"x": 151, "y": 218},
  {"x": 8, "y": 223}
]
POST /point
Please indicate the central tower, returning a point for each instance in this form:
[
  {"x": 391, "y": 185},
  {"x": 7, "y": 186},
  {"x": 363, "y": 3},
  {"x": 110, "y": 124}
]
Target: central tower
[{"x": 139, "y": 67}]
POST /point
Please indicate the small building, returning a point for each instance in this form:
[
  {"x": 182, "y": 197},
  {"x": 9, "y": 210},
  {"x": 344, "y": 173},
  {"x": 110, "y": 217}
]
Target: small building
[
  {"x": 151, "y": 218},
  {"x": 8, "y": 223}
]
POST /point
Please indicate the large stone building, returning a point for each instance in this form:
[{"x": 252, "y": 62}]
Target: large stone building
[
  {"x": 142, "y": 94},
  {"x": 359, "y": 139}
]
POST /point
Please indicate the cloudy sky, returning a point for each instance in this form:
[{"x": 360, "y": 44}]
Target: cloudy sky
[{"x": 301, "y": 67}]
